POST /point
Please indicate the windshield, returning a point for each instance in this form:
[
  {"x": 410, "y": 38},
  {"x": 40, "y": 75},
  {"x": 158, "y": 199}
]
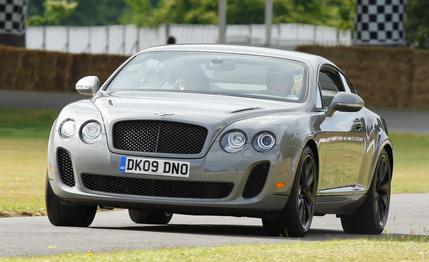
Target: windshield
[{"x": 214, "y": 73}]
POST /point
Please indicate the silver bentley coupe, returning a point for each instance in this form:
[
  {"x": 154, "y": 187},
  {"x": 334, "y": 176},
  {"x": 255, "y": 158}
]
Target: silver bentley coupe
[{"x": 221, "y": 130}]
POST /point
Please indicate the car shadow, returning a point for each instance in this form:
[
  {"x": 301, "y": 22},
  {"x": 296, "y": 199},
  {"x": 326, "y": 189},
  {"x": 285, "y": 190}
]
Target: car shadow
[{"x": 230, "y": 231}]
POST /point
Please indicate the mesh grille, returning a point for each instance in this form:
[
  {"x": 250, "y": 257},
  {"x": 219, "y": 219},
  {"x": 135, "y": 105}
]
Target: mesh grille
[
  {"x": 158, "y": 188},
  {"x": 65, "y": 167},
  {"x": 159, "y": 137},
  {"x": 256, "y": 181}
]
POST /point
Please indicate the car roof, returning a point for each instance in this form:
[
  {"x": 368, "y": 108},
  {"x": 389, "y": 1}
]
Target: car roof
[{"x": 249, "y": 50}]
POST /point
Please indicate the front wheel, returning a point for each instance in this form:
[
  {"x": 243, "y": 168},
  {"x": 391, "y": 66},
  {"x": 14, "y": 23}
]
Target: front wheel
[
  {"x": 61, "y": 213},
  {"x": 371, "y": 217},
  {"x": 296, "y": 217}
]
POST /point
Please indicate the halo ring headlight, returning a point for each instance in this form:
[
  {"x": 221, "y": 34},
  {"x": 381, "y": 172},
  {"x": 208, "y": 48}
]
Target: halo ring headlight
[
  {"x": 67, "y": 128},
  {"x": 264, "y": 141},
  {"x": 90, "y": 132},
  {"x": 233, "y": 141}
]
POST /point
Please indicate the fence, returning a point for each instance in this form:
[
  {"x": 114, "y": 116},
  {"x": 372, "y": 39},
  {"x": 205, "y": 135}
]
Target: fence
[{"x": 127, "y": 39}]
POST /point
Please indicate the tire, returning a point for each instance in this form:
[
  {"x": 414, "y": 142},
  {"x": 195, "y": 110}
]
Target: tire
[
  {"x": 371, "y": 217},
  {"x": 296, "y": 217},
  {"x": 150, "y": 216},
  {"x": 61, "y": 213}
]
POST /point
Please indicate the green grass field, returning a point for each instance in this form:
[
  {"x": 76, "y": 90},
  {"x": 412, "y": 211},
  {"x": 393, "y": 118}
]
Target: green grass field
[
  {"x": 398, "y": 248},
  {"x": 23, "y": 144},
  {"x": 24, "y": 137}
]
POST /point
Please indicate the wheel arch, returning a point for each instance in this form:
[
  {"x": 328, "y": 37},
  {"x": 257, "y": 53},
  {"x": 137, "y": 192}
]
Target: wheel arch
[
  {"x": 313, "y": 146},
  {"x": 387, "y": 146},
  {"x": 389, "y": 150}
]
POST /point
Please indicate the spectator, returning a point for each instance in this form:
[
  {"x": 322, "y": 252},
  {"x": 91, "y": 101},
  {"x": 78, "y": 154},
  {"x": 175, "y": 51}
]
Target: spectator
[{"x": 171, "y": 40}]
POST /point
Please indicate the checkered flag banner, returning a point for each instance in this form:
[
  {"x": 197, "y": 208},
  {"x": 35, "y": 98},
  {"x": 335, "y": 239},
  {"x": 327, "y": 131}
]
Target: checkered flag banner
[
  {"x": 12, "y": 16},
  {"x": 380, "y": 22}
]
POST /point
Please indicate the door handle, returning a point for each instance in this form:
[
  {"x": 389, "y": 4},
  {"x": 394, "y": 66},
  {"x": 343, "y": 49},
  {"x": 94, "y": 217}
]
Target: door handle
[{"x": 357, "y": 124}]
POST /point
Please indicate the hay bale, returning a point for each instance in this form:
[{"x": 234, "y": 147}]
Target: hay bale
[
  {"x": 384, "y": 77},
  {"x": 32, "y": 70},
  {"x": 420, "y": 84}
]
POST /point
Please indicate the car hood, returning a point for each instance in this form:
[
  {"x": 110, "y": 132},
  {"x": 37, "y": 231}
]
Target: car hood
[{"x": 211, "y": 111}]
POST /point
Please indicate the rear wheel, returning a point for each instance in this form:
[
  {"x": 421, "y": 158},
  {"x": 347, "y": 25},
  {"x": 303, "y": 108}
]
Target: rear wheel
[
  {"x": 61, "y": 213},
  {"x": 296, "y": 217},
  {"x": 371, "y": 217},
  {"x": 150, "y": 216}
]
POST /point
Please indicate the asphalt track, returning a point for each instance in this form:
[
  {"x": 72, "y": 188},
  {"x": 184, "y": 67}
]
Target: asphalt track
[{"x": 113, "y": 230}]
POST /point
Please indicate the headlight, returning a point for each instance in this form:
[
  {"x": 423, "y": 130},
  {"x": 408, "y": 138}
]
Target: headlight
[
  {"x": 233, "y": 141},
  {"x": 91, "y": 132},
  {"x": 67, "y": 128},
  {"x": 264, "y": 141}
]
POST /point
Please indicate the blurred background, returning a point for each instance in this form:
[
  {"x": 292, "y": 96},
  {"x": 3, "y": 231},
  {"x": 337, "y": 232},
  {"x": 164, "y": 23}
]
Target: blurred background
[{"x": 47, "y": 45}]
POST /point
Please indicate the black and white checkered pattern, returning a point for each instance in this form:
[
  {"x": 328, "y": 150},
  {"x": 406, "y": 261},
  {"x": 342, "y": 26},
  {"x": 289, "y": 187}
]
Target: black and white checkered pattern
[
  {"x": 380, "y": 22},
  {"x": 12, "y": 16}
]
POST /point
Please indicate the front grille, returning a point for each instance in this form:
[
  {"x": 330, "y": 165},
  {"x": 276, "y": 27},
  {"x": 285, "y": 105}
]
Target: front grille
[
  {"x": 256, "y": 180},
  {"x": 65, "y": 167},
  {"x": 159, "y": 137},
  {"x": 158, "y": 188}
]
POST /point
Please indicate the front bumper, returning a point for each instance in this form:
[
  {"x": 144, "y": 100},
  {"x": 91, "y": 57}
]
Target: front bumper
[{"x": 215, "y": 166}]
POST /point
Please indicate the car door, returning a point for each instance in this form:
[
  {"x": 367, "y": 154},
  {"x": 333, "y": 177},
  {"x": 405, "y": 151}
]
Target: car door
[{"x": 342, "y": 137}]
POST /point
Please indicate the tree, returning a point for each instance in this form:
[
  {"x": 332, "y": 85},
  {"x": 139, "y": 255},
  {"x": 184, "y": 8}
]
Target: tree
[
  {"x": 87, "y": 12},
  {"x": 339, "y": 13},
  {"x": 417, "y": 23},
  {"x": 345, "y": 13},
  {"x": 54, "y": 12},
  {"x": 153, "y": 13},
  {"x": 246, "y": 11}
]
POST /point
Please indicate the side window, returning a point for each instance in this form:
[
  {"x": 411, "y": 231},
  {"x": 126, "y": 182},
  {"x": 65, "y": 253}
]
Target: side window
[
  {"x": 330, "y": 84},
  {"x": 347, "y": 84}
]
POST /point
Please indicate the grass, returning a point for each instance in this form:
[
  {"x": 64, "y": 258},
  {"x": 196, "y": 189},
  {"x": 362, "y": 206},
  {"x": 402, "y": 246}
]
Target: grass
[
  {"x": 397, "y": 248},
  {"x": 23, "y": 165},
  {"x": 23, "y": 145},
  {"x": 22, "y": 123},
  {"x": 411, "y": 166}
]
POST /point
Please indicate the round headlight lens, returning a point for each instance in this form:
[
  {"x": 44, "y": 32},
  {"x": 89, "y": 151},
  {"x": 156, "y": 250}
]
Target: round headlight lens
[
  {"x": 233, "y": 141},
  {"x": 67, "y": 128},
  {"x": 91, "y": 132},
  {"x": 264, "y": 141}
]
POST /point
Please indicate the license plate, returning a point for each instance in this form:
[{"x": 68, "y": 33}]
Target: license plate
[{"x": 150, "y": 166}]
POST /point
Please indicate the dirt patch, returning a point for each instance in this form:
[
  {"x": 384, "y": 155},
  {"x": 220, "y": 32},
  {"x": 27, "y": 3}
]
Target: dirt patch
[{"x": 22, "y": 214}]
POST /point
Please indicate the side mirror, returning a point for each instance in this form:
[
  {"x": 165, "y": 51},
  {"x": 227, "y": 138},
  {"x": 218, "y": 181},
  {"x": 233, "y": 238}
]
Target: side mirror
[
  {"x": 345, "y": 102},
  {"x": 88, "y": 85}
]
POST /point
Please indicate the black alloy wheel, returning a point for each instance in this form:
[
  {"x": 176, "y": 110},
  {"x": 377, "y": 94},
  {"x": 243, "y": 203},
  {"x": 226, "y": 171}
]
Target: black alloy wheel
[
  {"x": 371, "y": 216},
  {"x": 296, "y": 217},
  {"x": 307, "y": 191},
  {"x": 382, "y": 189}
]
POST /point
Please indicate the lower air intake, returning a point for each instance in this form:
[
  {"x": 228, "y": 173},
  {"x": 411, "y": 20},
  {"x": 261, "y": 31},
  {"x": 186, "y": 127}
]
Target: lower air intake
[{"x": 158, "y": 188}]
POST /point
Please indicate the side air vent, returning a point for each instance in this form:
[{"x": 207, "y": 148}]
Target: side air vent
[
  {"x": 65, "y": 167},
  {"x": 256, "y": 180}
]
